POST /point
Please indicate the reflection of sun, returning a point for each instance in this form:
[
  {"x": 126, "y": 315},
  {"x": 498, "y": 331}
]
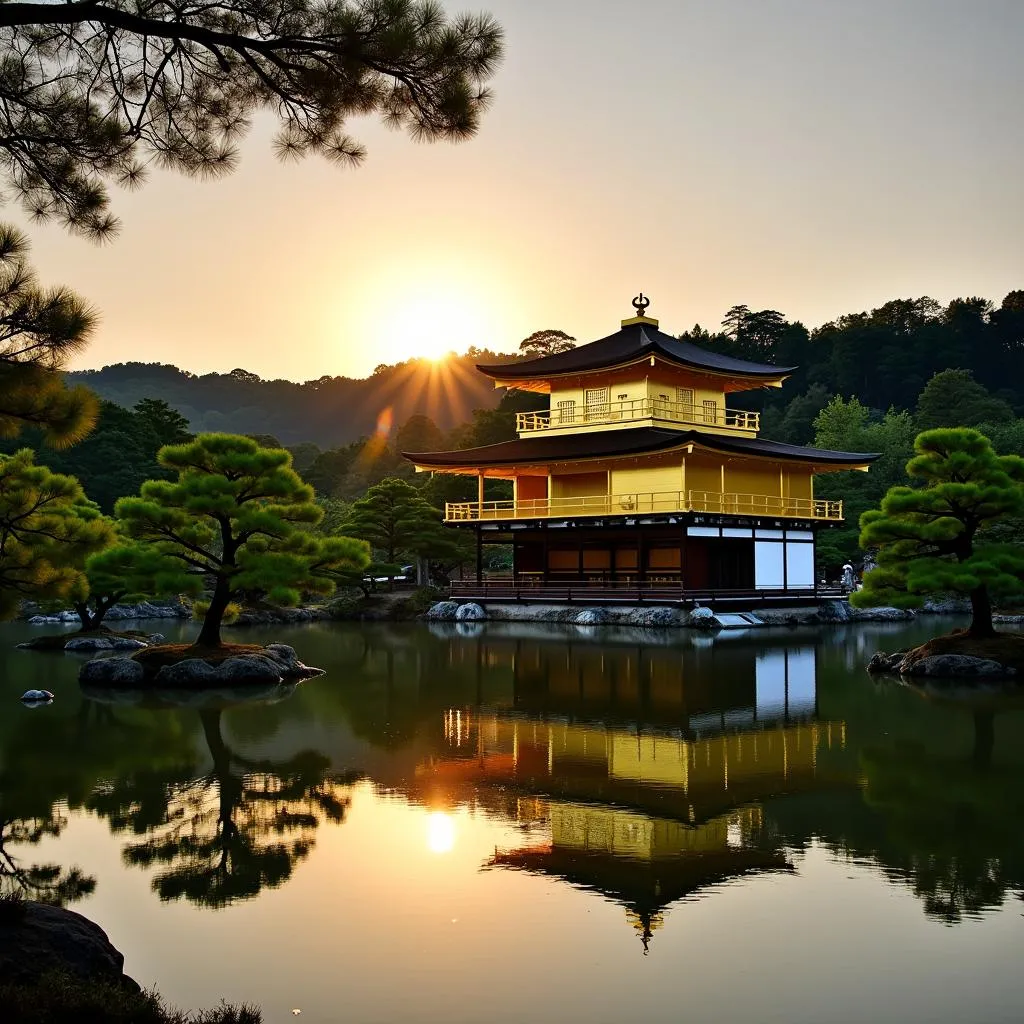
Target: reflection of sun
[{"x": 440, "y": 832}]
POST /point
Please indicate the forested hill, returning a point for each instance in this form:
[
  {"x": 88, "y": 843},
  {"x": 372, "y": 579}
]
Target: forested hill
[
  {"x": 330, "y": 411},
  {"x": 883, "y": 358}
]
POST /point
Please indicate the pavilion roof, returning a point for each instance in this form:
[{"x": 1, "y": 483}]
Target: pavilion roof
[
  {"x": 623, "y": 443},
  {"x": 632, "y": 342}
]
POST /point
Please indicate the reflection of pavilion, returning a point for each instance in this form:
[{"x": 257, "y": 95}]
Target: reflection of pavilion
[
  {"x": 643, "y": 862},
  {"x": 645, "y": 814}
]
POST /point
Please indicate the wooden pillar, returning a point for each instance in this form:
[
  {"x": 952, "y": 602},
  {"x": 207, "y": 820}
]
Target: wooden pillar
[
  {"x": 544, "y": 552},
  {"x": 479, "y": 554},
  {"x": 682, "y": 561},
  {"x": 480, "y": 492},
  {"x": 641, "y": 556}
]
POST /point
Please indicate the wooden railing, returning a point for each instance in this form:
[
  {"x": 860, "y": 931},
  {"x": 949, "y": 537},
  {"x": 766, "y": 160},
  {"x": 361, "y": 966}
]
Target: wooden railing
[
  {"x": 644, "y": 504},
  {"x": 640, "y": 409}
]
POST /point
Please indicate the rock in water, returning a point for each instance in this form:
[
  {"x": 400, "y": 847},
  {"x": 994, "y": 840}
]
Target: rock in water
[
  {"x": 89, "y": 643},
  {"x": 952, "y": 666},
  {"x": 284, "y": 654},
  {"x": 443, "y": 611},
  {"x": 703, "y": 618},
  {"x": 248, "y": 668},
  {"x": 834, "y": 611},
  {"x": 470, "y": 612},
  {"x": 37, "y": 696},
  {"x": 657, "y": 617},
  {"x": 881, "y": 662},
  {"x": 190, "y": 672},
  {"x": 121, "y": 671},
  {"x": 41, "y": 938}
]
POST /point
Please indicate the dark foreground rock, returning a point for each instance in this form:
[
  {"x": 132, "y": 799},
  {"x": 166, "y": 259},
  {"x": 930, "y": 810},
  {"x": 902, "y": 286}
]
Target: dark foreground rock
[
  {"x": 35, "y": 938},
  {"x": 270, "y": 665}
]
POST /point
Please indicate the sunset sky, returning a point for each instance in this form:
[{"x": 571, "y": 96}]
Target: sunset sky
[{"x": 812, "y": 156}]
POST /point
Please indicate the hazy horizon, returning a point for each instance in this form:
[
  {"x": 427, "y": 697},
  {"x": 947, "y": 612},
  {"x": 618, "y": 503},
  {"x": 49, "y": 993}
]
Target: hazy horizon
[{"x": 818, "y": 158}]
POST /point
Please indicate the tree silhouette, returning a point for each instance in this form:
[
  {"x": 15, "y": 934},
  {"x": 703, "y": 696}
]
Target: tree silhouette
[{"x": 94, "y": 91}]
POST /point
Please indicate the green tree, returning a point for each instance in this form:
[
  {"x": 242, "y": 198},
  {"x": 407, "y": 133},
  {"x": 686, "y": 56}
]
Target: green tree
[
  {"x": 40, "y": 329},
  {"x": 953, "y": 398},
  {"x": 419, "y": 433},
  {"x": 47, "y": 530},
  {"x": 931, "y": 538},
  {"x": 397, "y": 520},
  {"x": 94, "y": 91},
  {"x": 847, "y": 425},
  {"x": 238, "y": 514},
  {"x": 546, "y": 343},
  {"x": 167, "y": 425},
  {"x": 128, "y": 572}
]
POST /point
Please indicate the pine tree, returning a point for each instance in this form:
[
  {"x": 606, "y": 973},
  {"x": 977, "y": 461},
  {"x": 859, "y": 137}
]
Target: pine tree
[
  {"x": 238, "y": 514},
  {"x": 48, "y": 528},
  {"x": 397, "y": 520},
  {"x": 932, "y": 538},
  {"x": 92, "y": 92},
  {"x": 39, "y": 330},
  {"x": 128, "y": 572}
]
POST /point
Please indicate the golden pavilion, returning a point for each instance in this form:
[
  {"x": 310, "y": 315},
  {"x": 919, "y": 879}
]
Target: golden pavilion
[{"x": 640, "y": 482}]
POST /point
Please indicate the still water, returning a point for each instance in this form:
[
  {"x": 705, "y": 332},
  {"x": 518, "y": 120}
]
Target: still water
[{"x": 512, "y": 823}]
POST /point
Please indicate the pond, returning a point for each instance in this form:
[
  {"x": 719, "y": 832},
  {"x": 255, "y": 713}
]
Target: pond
[{"x": 515, "y": 822}]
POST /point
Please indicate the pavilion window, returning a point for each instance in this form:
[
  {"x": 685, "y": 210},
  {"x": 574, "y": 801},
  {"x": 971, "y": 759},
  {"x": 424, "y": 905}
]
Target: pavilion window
[
  {"x": 684, "y": 403},
  {"x": 596, "y": 403},
  {"x": 710, "y": 411},
  {"x": 566, "y": 411}
]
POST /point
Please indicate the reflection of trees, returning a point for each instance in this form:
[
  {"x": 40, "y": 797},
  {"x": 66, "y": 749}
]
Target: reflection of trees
[
  {"x": 47, "y": 883},
  {"x": 230, "y": 832},
  {"x": 953, "y": 822},
  {"x": 938, "y": 811}
]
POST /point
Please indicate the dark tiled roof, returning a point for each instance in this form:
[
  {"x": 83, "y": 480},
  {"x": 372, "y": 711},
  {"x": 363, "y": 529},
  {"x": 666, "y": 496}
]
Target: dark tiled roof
[
  {"x": 634, "y": 341},
  {"x": 635, "y": 441}
]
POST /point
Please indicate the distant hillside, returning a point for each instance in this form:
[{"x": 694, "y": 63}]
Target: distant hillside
[{"x": 331, "y": 411}]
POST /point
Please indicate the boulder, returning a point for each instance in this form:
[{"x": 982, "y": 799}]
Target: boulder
[
  {"x": 45, "y": 620},
  {"x": 247, "y": 668},
  {"x": 834, "y": 611},
  {"x": 126, "y": 643},
  {"x": 188, "y": 673},
  {"x": 120, "y": 671},
  {"x": 470, "y": 612},
  {"x": 284, "y": 655},
  {"x": 657, "y": 617},
  {"x": 37, "y": 696},
  {"x": 89, "y": 643},
  {"x": 884, "y": 614},
  {"x": 702, "y": 618},
  {"x": 881, "y": 662},
  {"x": 590, "y": 617},
  {"x": 36, "y": 937},
  {"x": 443, "y": 611},
  {"x": 958, "y": 666},
  {"x": 947, "y": 606}
]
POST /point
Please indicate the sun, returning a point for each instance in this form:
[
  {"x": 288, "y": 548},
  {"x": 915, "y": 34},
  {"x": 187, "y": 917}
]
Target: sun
[{"x": 429, "y": 324}]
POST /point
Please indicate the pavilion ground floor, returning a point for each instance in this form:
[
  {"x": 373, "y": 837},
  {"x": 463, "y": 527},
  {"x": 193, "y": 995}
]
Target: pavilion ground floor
[{"x": 674, "y": 558}]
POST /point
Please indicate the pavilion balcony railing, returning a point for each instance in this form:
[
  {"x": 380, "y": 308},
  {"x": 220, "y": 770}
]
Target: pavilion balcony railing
[
  {"x": 645, "y": 504},
  {"x": 705, "y": 415}
]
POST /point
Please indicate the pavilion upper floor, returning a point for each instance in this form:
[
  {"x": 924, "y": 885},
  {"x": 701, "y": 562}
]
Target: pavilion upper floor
[{"x": 638, "y": 376}]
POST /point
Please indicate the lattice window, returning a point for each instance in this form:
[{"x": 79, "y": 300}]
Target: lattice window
[
  {"x": 596, "y": 403},
  {"x": 566, "y": 411},
  {"x": 710, "y": 411}
]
